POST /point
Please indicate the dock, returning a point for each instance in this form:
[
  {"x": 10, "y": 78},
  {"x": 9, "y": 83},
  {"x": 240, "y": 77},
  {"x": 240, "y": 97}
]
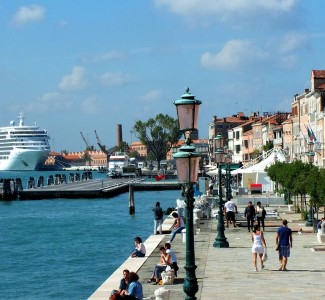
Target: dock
[{"x": 95, "y": 188}]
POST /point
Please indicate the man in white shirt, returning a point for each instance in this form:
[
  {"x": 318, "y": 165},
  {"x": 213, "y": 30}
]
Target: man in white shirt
[
  {"x": 230, "y": 210},
  {"x": 173, "y": 257}
]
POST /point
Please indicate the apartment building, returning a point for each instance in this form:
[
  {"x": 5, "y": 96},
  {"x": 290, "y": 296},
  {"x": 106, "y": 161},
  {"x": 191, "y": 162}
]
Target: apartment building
[{"x": 308, "y": 120}]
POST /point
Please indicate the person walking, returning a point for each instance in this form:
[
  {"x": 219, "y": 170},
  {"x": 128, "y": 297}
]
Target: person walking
[
  {"x": 259, "y": 246},
  {"x": 158, "y": 218},
  {"x": 249, "y": 214},
  {"x": 260, "y": 214},
  {"x": 230, "y": 210},
  {"x": 319, "y": 225},
  {"x": 284, "y": 240}
]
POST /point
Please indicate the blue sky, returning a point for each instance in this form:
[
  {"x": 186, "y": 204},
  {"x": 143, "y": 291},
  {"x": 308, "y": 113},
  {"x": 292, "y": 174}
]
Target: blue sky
[{"x": 82, "y": 65}]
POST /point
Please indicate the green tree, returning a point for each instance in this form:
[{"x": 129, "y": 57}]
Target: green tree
[
  {"x": 124, "y": 147},
  {"x": 158, "y": 134},
  {"x": 134, "y": 153},
  {"x": 86, "y": 158},
  {"x": 268, "y": 146}
]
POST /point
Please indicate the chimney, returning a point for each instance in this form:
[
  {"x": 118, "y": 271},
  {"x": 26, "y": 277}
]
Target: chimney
[{"x": 119, "y": 135}]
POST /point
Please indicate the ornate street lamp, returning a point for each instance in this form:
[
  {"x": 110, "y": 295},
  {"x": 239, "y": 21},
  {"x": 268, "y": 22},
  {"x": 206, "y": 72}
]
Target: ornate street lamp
[
  {"x": 311, "y": 157},
  {"x": 187, "y": 164},
  {"x": 221, "y": 240}
]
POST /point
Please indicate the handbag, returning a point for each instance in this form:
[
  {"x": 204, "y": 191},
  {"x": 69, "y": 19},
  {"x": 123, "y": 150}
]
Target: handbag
[
  {"x": 264, "y": 257},
  {"x": 168, "y": 277},
  {"x": 277, "y": 247}
]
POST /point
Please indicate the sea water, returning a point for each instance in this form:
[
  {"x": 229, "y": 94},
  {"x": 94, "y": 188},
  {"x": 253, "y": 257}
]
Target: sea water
[{"x": 65, "y": 249}]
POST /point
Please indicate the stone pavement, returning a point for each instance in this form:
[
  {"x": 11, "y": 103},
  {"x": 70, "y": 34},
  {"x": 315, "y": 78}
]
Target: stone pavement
[{"x": 228, "y": 273}]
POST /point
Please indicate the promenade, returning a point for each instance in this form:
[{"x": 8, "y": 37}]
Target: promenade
[{"x": 228, "y": 273}]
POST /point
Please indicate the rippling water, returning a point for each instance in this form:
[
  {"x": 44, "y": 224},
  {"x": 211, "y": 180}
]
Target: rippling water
[{"x": 65, "y": 249}]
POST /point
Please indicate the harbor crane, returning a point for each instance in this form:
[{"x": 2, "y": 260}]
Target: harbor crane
[
  {"x": 102, "y": 147},
  {"x": 88, "y": 147}
]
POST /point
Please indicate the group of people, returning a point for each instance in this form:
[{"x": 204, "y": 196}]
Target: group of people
[
  {"x": 167, "y": 259},
  {"x": 130, "y": 287},
  {"x": 257, "y": 212},
  {"x": 283, "y": 240}
]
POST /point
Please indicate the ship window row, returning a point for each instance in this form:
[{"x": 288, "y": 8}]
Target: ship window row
[
  {"x": 12, "y": 141},
  {"x": 28, "y": 132},
  {"x": 28, "y": 135}
]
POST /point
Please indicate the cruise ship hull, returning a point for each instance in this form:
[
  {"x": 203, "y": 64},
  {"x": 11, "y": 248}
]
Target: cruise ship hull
[{"x": 24, "y": 160}]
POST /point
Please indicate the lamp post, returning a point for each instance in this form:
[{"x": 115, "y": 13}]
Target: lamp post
[
  {"x": 221, "y": 240},
  {"x": 187, "y": 164},
  {"x": 311, "y": 156}
]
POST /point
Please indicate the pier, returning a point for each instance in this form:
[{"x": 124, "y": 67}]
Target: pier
[{"x": 94, "y": 188}]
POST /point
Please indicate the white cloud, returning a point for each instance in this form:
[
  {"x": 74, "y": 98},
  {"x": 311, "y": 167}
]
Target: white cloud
[
  {"x": 90, "y": 106},
  {"x": 50, "y": 102},
  {"x": 28, "y": 14},
  {"x": 234, "y": 54},
  {"x": 118, "y": 78},
  {"x": 150, "y": 96},
  {"x": 292, "y": 41},
  {"x": 75, "y": 81},
  {"x": 102, "y": 57},
  {"x": 224, "y": 7}
]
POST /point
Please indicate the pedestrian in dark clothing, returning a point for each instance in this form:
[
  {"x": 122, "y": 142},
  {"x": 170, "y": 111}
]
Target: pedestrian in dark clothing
[
  {"x": 283, "y": 238},
  {"x": 158, "y": 218},
  {"x": 250, "y": 215}
]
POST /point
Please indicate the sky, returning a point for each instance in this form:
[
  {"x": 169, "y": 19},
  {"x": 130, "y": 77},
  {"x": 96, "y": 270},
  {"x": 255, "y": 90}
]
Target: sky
[{"x": 80, "y": 66}]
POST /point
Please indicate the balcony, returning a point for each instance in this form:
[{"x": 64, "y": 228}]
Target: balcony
[{"x": 278, "y": 141}]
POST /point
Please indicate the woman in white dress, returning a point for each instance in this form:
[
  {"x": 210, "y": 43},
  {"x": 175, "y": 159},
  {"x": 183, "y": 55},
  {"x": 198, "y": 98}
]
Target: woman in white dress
[{"x": 259, "y": 245}]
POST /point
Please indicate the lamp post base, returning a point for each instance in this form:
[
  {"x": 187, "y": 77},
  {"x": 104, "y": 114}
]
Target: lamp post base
[
  {"x": 309, "y": 222},
  {"x": 221, "y": 240},
  {"x": 221, "y": 243}
]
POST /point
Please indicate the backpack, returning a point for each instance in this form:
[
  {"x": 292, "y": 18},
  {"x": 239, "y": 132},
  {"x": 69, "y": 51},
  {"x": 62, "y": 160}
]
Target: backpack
[{"x": 263, "y": 213}]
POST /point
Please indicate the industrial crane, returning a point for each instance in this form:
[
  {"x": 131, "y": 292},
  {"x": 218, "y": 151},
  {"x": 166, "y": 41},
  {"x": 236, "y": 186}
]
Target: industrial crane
[
  {"x": 102, "y": 147},
  {"x": 88, "y": 147}
]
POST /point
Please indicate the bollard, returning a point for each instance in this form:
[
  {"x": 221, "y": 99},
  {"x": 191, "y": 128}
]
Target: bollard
[
  {"x": 197, "y": 213},
  {"x": 162, "y": 294},
  {"x": 184, "y": 235},
  {"x": 197, "y": 222}
]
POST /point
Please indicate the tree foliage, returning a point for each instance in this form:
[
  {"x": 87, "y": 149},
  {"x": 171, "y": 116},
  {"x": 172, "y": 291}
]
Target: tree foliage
[
  {"x": 300, "y": 179},
  {"x": 158, "y": 134},
  {"x": 123, "y": 147}
]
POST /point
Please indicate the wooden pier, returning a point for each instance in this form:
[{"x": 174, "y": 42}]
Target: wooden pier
[{"x": 96, "y": 188}]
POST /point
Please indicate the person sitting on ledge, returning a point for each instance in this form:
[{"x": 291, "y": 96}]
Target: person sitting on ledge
[
  {"x": 165, "y": 260},
  {"x": 178, "y": 226},
  {"x": 135, "y": 291},
  {"x": 173, "y": 258},
  {"x": 125, "y": 281},
  {"x": 140, "y": 249}
]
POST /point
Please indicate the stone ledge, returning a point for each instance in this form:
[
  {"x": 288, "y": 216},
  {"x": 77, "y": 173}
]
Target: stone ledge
[{"x": 132, "y": 264}]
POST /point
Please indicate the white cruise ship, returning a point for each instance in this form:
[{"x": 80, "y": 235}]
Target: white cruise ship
[{"x": 23, "y": 148}]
